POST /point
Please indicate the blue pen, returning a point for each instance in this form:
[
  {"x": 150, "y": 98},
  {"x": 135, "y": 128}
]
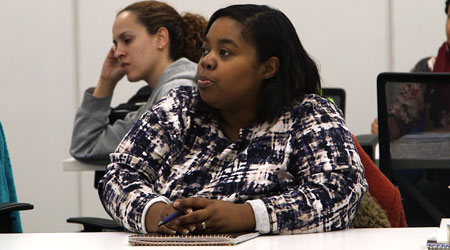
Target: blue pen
[{"x": 169, "y": 218}]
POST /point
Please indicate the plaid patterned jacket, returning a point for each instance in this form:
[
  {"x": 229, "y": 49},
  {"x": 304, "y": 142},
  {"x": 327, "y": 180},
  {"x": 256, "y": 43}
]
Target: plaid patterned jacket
[{"x": 303, "y": 167}]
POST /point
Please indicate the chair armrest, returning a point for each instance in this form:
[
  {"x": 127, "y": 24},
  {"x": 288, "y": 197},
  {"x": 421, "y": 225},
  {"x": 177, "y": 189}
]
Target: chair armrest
[
  {"x": 8, "y": 220},
  {"x": 14, "y": 206},
  {"x": 92, "y": 224},
  {"x": 368, "y": 143}
]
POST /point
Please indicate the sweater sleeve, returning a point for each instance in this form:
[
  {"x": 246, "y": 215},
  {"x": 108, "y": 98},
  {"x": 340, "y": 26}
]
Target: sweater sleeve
[
  {"x": 93, "y": 138},
  {"x": 329, "y": 178}
]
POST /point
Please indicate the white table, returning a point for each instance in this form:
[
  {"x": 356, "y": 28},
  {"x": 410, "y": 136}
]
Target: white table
[
  {"x": 71, "y": 164},
  {"x": 358, "y": 239}
]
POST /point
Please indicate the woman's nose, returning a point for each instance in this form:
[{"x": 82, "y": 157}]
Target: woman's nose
[
  {"x": 119, "y": 52},
  {"x": 208, "y": 62}
]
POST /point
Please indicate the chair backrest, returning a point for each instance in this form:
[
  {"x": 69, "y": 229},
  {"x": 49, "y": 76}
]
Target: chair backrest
[
  {"x": 414, "y": 137},
  {"x": 337, "y": 95}
]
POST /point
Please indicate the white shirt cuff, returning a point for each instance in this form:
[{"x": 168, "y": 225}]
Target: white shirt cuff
[
  {"x": 147, "y": 207},
  {"x": 261, "y": 216}
]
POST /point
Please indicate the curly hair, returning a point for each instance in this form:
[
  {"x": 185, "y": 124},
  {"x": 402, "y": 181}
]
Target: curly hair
[
  {"x": 185, "y": 32},
  {"x": 194, "y": 27}
]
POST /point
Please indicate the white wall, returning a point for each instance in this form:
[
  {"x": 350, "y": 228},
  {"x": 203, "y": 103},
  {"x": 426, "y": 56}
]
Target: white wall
[
  {"x": 38, "y": 106},
  {"x": 52, "y": 50},
  {"x": 415, "y": 35}
]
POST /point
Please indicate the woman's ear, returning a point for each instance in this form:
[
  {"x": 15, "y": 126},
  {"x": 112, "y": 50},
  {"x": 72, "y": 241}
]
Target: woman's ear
[
  {"x": 270, "y": 67},
  {"x": 162, "y": 37}
]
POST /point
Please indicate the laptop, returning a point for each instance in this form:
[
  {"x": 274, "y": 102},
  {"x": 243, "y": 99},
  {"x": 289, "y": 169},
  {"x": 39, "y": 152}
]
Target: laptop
[{"x": 414, "y": 132}]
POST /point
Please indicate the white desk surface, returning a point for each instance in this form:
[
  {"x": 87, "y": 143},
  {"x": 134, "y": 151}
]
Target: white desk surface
[
  {"x": 71, "y": 164},
  {"x": 360, "y": 239}
]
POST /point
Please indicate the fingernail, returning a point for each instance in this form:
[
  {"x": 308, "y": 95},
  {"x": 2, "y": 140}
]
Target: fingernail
[
  {"x": 189, "y": 211},
  {"x": 192, "y": 228},
  {"x": 176, "y": 204},
  {"x": 185, "y": 231}
]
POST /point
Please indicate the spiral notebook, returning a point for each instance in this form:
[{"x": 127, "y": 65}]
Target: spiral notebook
[{"x": 155, "y": 239}]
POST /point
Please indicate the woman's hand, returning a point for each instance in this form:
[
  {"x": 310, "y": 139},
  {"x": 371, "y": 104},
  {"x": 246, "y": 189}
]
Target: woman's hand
[
  {"x": 374, "y": 126},
  {"x": 213, "y": 216},
  {"x": 158, "y": 212},
  {"x": 112, "y": 72}
]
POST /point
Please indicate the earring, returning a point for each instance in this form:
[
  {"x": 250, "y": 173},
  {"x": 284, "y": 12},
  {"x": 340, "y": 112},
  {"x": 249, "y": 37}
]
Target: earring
[{"x": 160, "y": 47}]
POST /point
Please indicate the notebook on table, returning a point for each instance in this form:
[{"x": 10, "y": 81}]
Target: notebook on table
[
  {"x": 155, "y": 239},
  {"x": 440, "y": 240}
]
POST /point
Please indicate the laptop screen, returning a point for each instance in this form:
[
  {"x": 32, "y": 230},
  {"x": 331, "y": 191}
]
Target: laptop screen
[{"x": 414, "y": 120}]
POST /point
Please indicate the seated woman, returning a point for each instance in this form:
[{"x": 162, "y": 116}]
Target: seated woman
[
  {"x": 153, "y": 43},
  {"x": 252, "y": 147}
]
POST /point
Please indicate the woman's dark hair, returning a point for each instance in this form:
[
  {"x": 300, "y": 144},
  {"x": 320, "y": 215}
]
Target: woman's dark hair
[
  {"x": 273, "y": 35},
  {"x": 185, "y": 32},
  {"x": 446, "y": 6}
]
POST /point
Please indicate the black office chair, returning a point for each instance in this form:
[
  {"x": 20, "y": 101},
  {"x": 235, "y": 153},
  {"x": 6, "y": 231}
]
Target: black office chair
[
  {"x": 95, "y": 224},
  {"x": 9, "y": 216},
  {"x": 9, "y": 207},
  {"x": 416, "y": 159},
  {"x": 369, "y": 143},
  {"x": 337, "y": 96}
]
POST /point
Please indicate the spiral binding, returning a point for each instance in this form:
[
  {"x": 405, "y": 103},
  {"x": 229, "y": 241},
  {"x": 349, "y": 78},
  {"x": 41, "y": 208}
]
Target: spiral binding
[{"x": 180, "y": 240}]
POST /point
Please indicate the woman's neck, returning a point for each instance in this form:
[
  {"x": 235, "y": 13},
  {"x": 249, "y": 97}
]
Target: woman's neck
[{"x": 233, "y": 122}]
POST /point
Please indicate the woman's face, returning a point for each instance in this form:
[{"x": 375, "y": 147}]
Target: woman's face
[
  {"x": 229, "y": 75},
  {"x": 135, "y": 48}
]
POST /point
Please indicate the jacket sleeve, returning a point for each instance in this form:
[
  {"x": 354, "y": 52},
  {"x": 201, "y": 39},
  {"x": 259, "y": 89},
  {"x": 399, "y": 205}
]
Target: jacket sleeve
[
  {"x": 128, "y": 186},
  {"x": 93, "y": 138},
  {"x": 328, "y": 180}
]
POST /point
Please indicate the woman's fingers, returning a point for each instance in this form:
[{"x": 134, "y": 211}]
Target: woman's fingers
[
  {"x": 165, "y": 230},
  {"x": 193, "y": 203}
]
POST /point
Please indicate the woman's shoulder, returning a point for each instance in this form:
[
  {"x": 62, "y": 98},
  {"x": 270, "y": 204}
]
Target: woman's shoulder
[
  {"x": 425, "y": 64},
  {"x": 314, "y": 105},
  {"x": 177, "y": 99},
  {"x": 312, "y": 111},
  {"x": 179, "y": 73},
  {"x": 183, "y": 65}
]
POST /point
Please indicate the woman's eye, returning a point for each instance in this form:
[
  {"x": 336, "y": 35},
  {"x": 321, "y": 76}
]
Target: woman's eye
[
  {"x": 224, "y": 52},
  {"x": 204, "y": 51},
  {"x": 127, "y": 41}
]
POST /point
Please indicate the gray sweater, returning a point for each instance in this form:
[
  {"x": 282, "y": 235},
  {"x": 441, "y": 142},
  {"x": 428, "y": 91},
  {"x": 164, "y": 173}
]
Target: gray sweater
[{"x": 93, "y": 138}]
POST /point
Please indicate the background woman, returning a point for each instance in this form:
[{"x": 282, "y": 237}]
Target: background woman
[{"x": 152, "y": 42}]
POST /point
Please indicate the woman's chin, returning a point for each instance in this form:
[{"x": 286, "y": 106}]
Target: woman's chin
[
  {"x": 208, "y": 100},
  {"x": 132, "y": 78}
]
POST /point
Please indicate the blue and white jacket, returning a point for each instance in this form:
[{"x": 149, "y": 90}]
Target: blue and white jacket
[{"x": 300, "y": 173}]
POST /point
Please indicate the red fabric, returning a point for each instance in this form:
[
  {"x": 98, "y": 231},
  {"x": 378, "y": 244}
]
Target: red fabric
[
  {"x": 442, "y": 64},
  {"x": 380, "y": 187}
]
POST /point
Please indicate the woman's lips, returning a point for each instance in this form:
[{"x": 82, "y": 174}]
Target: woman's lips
[
  {"x": 124, "y": 65},
  {"x": 204, "y": 82}
]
